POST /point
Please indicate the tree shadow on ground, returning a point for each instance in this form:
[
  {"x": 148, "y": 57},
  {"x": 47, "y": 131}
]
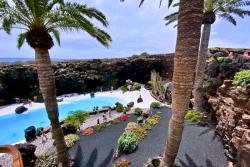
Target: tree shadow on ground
[
  {"x": 107, "y": 160},
  {"x": 211, "y": 128},
  {"x": 79, "y": 157},
  {"x": 190, "y": 162},
  {"x": 92, "y": 158},
  {"x": 207, "y": 129}
]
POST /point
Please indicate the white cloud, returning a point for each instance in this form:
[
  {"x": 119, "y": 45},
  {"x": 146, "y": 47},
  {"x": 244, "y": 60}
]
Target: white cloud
[{"x": 134, "y": 30}]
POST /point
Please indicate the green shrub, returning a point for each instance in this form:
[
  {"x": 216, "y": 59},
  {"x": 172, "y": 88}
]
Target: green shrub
[
  {"x": 128, "y": 142},
  {"x": 138, "y": 111},
  {"x": 137, "y": 86},
  {"x": 155, "y": 105},
  {"x": 99, "y": 127},
  {"x": 147, "y": 126},
  {"x": 118, "y": 103},
  {"x": 241, "y": 77},
  {"x": 71, "y": 139},
  {"x": 192, "y": 116},
  {"x": 76, "y": 118},
  {"x": 225, "y": 60},
  {"x": 123, "y": 89},
  {"x": 139, "y": 132},
  {"x": 119, "y": 107},
  {"x": 152, "y": 121},
  {"x": 69, "y": 129},
  {"x": 156, "y": 117}
]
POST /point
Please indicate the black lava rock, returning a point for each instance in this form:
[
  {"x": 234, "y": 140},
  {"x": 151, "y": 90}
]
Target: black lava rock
[
  {"x": 21, "y": 109},
  {"x": 30, "y": 133}
]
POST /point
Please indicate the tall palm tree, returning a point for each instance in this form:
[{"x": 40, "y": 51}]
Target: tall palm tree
[
  {"x": 185, "y": 59},
  {"x": 38, "y": 20},
  {"x": 225, "y": 9}
]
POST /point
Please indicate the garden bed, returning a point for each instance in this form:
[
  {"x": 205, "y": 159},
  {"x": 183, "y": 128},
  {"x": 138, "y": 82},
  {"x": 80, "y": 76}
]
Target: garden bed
[{"x": 97, "y": 150}]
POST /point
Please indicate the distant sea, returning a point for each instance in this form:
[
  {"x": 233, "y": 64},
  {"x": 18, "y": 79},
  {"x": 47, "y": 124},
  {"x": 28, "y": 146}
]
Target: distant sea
[
  {"x": 12, "y": 60},
  {"x": 15, "y": 59}
]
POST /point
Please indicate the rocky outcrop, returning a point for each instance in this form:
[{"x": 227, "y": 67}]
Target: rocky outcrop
[
  {"x": 227, "y": 50},
  {"x": 232, "y": 106},
  {"x": 82, "y": 76},
  {"x": 217, "y": 72},
  {"x": 20, "y": 109}
]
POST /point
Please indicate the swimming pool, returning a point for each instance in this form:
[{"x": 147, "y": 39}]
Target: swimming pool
[{"x": 12, "y": 125}]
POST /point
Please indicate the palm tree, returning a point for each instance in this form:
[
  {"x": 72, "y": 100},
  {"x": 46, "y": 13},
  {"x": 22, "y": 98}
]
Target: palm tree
[
  {"x": 224, "y": 9},
  {"x": 185, "y": 59},
  {"x": 38, "y": 19},
  {"x": 187, "y": 47}
]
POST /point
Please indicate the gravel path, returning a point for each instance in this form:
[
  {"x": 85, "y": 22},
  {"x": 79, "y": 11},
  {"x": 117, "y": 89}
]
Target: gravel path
[{"x": 197, "y": 149}]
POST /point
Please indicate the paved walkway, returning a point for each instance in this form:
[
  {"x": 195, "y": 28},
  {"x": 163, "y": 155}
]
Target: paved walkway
[{"x": 198, "y": 149}]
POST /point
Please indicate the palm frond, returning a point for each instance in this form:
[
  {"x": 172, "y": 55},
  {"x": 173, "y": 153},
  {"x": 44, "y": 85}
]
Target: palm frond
[
  {"x": 170, "y": 2},
  {"x": 7, "y": 24},
  {"x": 3, "y": 6},
  {"x": 84, "y": 10},
  {"x": 142, "y": 1},
  {"x": 240, "y": 3},
  {"x": 176, "y": 4},
  {"x": 52, "y": 3},
  {"x": 21, "y": 39},
  {"x": 31, "y": 6},
  {"x": 56, "y": 35},
  {"x": 239, "y": 12},
  {"x": 52, "y": 16},
  {"x": 172, "y": 18},
  {"x": 103, "y": 37},
  {"x": 22, "y": 8},
  {"x": 229, "y": 18}
]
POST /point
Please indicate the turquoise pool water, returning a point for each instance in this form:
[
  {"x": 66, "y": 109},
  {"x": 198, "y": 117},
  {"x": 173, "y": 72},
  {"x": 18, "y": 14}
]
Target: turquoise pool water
[{"x": 12, "y": 125}]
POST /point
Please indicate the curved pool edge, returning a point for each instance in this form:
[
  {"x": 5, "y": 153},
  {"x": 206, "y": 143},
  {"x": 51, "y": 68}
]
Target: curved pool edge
[{"x": 19, "y": 136}]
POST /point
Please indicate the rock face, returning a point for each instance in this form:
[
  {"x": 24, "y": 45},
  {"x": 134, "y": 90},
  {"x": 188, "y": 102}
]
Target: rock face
[
  {"x": 82, "y": 76},
  {"x": 227, "y": 50},
  {"x": 21, "y": 109},
  {"x": 232, "y": 106},
  {"x": 30, "y": 133}
]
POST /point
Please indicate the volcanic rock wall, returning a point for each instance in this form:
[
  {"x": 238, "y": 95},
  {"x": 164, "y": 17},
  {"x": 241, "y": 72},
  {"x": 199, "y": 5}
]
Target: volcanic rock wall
[
  {"x": 83, "y": 76},
  {"x": 232, "y": 106}
]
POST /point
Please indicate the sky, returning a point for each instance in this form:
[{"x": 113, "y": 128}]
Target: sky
[{"x": 134, "y": 30}]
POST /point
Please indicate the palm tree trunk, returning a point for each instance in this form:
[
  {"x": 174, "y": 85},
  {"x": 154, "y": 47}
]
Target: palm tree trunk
[
  {"x": 200, "y": 69},
  {"x": 187, "y": 47},
  {"x": 48, "y": 90}
]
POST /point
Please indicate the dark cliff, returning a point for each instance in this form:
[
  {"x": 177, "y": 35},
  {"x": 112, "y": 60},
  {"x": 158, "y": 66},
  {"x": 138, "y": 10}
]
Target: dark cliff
[{"x": 19, "y": 80}]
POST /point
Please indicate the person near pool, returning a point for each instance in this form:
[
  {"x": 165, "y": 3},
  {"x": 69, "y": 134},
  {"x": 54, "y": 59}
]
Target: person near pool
[{"x": 44, "y": 136}]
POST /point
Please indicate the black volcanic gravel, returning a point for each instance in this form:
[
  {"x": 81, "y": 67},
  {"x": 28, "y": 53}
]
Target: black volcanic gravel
[{"x": 199, "y": 147}]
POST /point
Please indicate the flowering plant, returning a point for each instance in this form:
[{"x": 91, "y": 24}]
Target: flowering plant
[{"x": 122, "y": 163}]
